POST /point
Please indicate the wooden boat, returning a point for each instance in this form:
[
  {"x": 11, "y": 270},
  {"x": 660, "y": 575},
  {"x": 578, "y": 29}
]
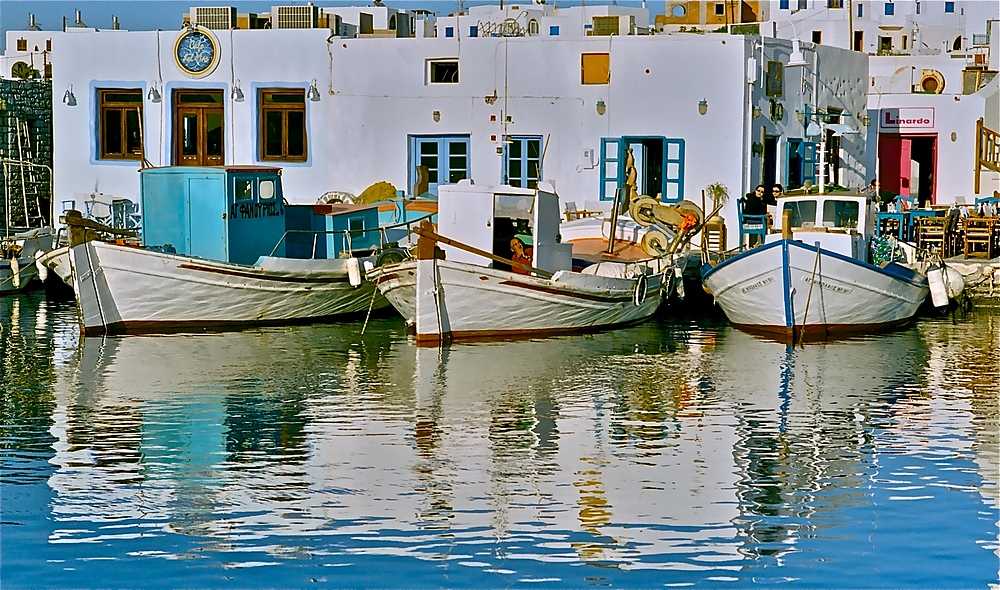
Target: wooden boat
[
  {"x": 473, "y": 287},
  {"x": 811, "y": 278},
  {"x": 209, "y": 259}
]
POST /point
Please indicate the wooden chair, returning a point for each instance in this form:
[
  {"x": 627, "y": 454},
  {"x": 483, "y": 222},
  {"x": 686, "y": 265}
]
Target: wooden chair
[
  {"x": 930, "y": 234},
  {"x": 714, "y": 235},
  {"x": 979, "y": 236}
]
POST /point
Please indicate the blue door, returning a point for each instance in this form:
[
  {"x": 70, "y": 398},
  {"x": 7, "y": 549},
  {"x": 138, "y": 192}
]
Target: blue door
[
  {"x": 207, "y": 227},
  {"x": 445, "y": 159}
]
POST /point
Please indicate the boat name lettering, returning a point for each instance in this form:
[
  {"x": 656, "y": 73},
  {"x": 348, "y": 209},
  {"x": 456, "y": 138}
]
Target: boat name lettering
[
  {"x": 757, "y": 285},
  {"x": 253, "y": 210},
  {"x": 824, "y": 285}
]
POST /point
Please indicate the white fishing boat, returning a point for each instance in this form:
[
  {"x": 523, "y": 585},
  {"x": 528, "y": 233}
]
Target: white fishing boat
[
  {"x": 131, "y": 289},
  {"x": 209, "y": 258},
  {"x": 811, "y": 278},
  {"x": 17, "y": 259},
  {"x": 484, "y": 287}
]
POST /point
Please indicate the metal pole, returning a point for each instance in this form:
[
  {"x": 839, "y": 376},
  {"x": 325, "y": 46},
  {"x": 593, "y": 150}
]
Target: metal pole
[
  {"x": 822, "y": 158},
  {"x": 6, "y": 194}
]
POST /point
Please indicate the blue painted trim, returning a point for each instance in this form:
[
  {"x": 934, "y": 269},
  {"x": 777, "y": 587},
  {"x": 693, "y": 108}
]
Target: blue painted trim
[
  {"x": 895, "y": 271},
  {"x": 892, "y": 270},
  {"x": 786, "y": 277},
  {"x": 505, "y": 161},
  {"x": 413, "y": 157},
  {"x": 741, "y": 256},
  {"x": 605, "y": 160},
  {"x": 668, "y": 180}
]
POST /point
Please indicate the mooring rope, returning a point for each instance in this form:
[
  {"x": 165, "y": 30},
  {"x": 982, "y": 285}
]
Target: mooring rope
[{"x": 812, "y": 281}]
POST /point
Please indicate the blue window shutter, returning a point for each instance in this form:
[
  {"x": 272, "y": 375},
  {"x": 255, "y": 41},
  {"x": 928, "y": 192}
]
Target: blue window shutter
[
  {"x": 861, "y": 10},
  {"x": 809, "y": 161},
  {"x": 783, "y": 5},
  {"x": 611, "y": 172},
  {"x": 473, "y": 31},
  {"x": 449, "y": 31},
  {"x": 554, "y": 31},
  {"x": 889, "y": 9},
  {"x": 673, "y": 170},
  {"x": 949, "y": 7}
]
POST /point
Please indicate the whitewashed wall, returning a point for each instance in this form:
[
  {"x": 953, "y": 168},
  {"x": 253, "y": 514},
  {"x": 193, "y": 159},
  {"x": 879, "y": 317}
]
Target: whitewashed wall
[{"x": 374, "y": 96}]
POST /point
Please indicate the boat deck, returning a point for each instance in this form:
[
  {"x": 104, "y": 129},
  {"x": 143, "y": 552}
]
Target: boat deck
[{"x": 595, "y": 250}]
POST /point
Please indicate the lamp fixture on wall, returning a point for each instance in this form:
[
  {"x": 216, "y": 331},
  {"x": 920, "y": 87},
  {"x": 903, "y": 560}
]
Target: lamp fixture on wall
[
  {"x": 601, "y": 107},
  {"x": 237, "y": 94},
  {"x": 703, "y": 106},
  {"x": 153, "y": 95},
  {"x": 313, "y": 93},
  {"x": 69, "y": 99},
  {"x": 796, "y": 58},
  {"x": 436, "y": 115},
  {"x": 756, "y": 112},
  {"x": 865, "y": 120}
]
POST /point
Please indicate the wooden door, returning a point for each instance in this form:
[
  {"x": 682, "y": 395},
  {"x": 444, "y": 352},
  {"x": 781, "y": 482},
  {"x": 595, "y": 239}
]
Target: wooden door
[{"x": 199, "y": 128}]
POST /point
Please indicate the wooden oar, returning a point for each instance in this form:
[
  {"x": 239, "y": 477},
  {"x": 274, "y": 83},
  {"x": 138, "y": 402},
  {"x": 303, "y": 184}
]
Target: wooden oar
[{"x": 425, "y": 230}]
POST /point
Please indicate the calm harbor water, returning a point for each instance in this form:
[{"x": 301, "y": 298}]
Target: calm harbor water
[{"x": 676, "y": 453}]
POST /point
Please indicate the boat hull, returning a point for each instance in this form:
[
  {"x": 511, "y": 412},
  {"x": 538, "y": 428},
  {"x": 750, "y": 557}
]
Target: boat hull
[
  {"x": 126, "y": 289},
  {"x": 56, "y": 263},
  {"x": 792, "y": 290},
  {"x": 25, "y": 279},
  {"x": 447, "y": 300},
  {"x": 28, "y": 244}
]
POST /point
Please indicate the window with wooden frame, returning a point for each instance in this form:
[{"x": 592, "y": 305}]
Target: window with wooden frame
[
  {"x": 283, "y": 125},
  {"x": 22, "y": 44},
  {"x": 120, "y": 124},
  {"x": 595, "y": 68}
]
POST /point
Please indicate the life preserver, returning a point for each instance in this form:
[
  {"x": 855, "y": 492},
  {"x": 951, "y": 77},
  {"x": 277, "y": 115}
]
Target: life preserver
[{"x": 639, "y": 292}]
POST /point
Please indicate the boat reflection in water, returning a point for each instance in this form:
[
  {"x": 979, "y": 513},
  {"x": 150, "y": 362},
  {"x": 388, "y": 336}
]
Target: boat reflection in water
[{"x": 692, "y": 448}]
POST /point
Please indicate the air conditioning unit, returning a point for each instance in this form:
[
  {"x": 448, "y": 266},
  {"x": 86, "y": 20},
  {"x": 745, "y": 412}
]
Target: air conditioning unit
[
  {"x": 214, "y": 17},
  {"x": 295, "y": 17}
]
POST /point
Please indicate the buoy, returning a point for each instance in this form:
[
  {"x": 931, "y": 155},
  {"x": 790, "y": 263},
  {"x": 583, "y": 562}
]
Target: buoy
[
  {"x": 954, "y": 281},
  {"x": 936, "y": 282},
  {"x": 43, "y": 271},
  {"x": 15, "y": 268},
  {"x": 353, "y": 271}
]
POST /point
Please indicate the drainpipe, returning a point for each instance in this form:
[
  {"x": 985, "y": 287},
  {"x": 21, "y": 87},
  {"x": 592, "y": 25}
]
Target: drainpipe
[{"x": 748, "y": 123}]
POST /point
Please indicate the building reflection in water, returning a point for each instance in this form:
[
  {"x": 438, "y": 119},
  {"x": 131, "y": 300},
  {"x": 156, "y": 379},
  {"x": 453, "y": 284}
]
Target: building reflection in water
[{"x": 706, "y": 444}]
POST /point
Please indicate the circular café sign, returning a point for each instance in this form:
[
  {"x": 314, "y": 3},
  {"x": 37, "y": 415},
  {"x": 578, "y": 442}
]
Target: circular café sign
[{"x": 196, "y": 53}]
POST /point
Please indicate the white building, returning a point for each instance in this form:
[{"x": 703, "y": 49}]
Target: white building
[
  {"x": 931, "y": 66},
  {"x": 342, "y": 113}
]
